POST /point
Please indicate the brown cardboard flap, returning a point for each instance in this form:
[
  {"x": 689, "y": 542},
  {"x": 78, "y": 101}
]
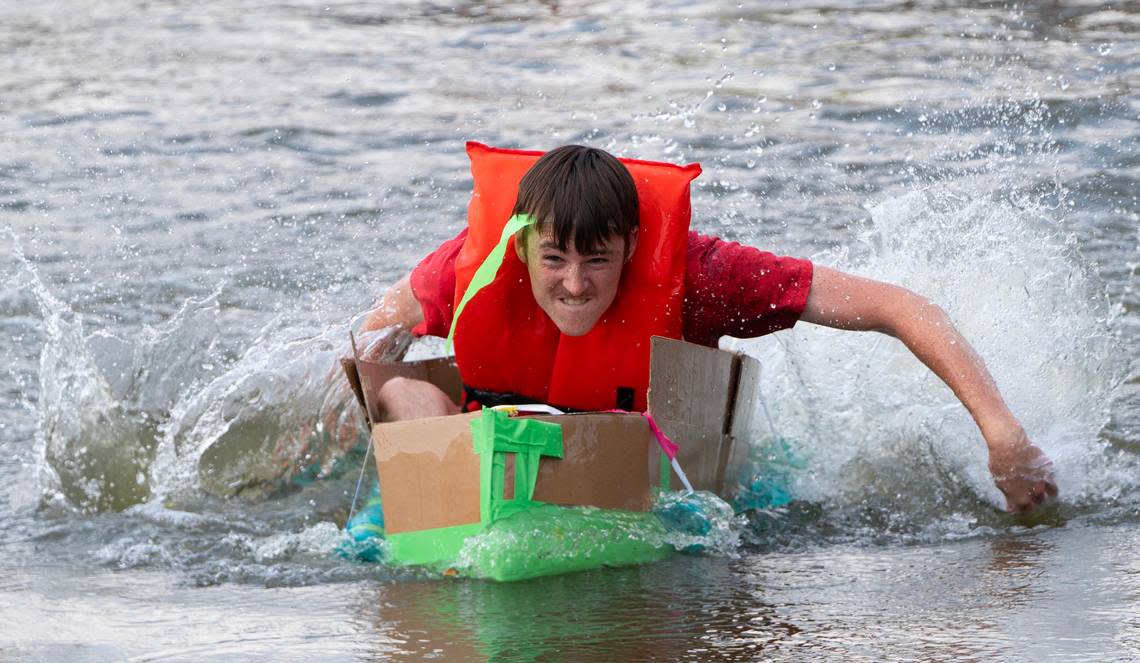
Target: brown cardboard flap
[
  {"x": 691, "y": 396},
  {"x": 441, "y": 372},
  {"x": 429, "y": 473},
  {"x": 390, "y": 348},
  {"x": 700, "y": 457},
  {"x": 348, "y": 365}
]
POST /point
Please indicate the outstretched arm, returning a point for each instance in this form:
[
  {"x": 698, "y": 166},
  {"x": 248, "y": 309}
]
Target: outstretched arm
[
  {"x": 398, "y": 306},
  {"x": 1021, "y": 470}
]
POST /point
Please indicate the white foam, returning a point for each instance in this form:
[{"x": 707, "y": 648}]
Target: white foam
[{"x": 875, "y": 422}]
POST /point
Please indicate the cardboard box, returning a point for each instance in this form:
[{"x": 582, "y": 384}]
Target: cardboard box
[{"x": 429, "y": 472}]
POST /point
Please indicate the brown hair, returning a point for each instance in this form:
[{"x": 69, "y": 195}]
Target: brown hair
[{"x": 585, "y": 193}]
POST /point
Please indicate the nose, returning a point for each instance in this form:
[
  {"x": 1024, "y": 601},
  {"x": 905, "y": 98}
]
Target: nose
[{"x": 574, "y": 282}]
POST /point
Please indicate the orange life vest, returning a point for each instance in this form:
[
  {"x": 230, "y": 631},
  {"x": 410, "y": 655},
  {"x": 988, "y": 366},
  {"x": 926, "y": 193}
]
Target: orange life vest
[{"x": 505, "y": 343}]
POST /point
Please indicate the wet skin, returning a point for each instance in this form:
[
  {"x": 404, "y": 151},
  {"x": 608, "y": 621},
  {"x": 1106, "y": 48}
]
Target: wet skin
[{"x": 572, "y": 288}]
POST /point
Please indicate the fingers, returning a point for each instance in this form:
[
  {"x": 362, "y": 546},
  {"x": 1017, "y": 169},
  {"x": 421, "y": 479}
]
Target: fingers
[
  {"x": 1038, "y": 495},
  {"x": 1018, "y": 506}
]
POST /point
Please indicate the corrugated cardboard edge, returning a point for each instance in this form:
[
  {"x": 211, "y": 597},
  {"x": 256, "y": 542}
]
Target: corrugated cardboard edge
[{"x": 743, "y": 425}]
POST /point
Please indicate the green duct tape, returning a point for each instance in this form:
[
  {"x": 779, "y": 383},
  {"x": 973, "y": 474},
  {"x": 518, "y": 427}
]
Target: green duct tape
[
  {"x": 543, "y": 540},
  {"x": 664, "y": 471},
  {"x": 436, "y": 548},
  {"x": 487, "y": 269},
  {"x": 496, "y": 434}
]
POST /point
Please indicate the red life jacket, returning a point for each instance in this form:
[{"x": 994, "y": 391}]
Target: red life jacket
[{"x": 505, "y": 343}]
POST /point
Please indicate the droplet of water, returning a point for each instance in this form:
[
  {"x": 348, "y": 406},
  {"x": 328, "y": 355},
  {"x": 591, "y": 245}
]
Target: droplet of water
[{"x": 1104, "y": 49}]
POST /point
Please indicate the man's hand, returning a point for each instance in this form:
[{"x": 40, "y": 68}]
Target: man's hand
[{"x": 1022, "y": 472}]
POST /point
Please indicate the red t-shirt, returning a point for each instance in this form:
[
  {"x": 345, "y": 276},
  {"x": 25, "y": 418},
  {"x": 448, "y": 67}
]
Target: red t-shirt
[{"x": 730, "y": 290}]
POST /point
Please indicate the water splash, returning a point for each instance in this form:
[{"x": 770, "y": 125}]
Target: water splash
[
  {"x": 279, "y": 413},
  {"x": 165, "y": 413},
  {"x": 887, "y": 437},
  {"x": 699, "y": 522},
  {"x": 91, "y": 446}
]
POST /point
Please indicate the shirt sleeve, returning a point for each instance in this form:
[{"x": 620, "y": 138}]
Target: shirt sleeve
[
  {"x": 737, "y": 290},
  {"x": 433, "y": 285}
]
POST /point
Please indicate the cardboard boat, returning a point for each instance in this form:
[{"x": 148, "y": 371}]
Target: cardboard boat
[{"x": 488, "y": 494}]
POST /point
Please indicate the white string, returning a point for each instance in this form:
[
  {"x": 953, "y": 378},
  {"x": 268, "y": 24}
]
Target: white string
[
  {"x": 359, "y": 480},
  {"x": 681, "y": 475},
  {"x": 768, "y": 416},
  {"x": 368, "y": 448}
]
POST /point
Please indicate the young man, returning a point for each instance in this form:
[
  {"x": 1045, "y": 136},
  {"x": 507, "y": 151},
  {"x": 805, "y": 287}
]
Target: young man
[{"x": 578, "y": 309}]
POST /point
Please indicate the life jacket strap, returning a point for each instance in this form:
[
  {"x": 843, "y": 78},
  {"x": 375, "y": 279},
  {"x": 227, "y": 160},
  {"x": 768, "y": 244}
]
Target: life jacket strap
[{"x": 489, "y": 267}]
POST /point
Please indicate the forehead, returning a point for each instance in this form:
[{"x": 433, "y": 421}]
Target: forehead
[{"x": 545, "y": 239}]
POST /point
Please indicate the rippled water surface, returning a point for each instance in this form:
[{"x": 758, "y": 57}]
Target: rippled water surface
[{"x": 196, "y": 198}]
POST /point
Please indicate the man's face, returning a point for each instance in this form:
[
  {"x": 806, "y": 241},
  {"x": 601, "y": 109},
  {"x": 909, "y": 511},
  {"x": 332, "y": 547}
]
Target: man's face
[{"x": 572, "y": 288}]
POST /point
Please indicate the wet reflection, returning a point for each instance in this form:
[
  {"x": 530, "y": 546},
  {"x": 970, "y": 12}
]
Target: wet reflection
[
  {"x": 690, "y": 608},
  {"x": 1009, "y": 579}
]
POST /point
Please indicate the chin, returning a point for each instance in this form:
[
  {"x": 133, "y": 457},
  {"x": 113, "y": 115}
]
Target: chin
[{"x": 576, "y": 327}]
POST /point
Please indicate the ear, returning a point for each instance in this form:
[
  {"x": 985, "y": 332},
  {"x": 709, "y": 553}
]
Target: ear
[
  {"x": 520, "y": 244},
  {"x": 632, "y": 245}
]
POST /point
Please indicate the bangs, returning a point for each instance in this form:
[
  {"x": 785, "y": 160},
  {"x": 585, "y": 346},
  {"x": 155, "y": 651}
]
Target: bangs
[{"x": 583, "y": 195}]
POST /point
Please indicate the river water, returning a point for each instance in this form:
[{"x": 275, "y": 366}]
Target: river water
[{"x": 196, "y": 199}]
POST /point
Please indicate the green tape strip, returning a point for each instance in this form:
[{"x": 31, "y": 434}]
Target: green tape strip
[
  {"x": 436, "y": 547},
  {"x": 664, "y": 472},
  {"x": 489, "y": 267},
  {"x": 495, "y": 434}
]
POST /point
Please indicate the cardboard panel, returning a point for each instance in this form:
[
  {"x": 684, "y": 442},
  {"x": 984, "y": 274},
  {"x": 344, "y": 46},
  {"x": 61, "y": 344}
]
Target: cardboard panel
[
  {"x": 441, "y": 372},
  {"x": 691, "y": 391},
  {"x": 603, "y": 465},
  {"x": 429, "y": 473}
]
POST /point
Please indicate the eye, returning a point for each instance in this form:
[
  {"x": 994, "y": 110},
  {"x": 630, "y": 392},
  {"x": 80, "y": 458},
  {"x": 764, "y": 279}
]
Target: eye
[{"x": 552, "y": 259}]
